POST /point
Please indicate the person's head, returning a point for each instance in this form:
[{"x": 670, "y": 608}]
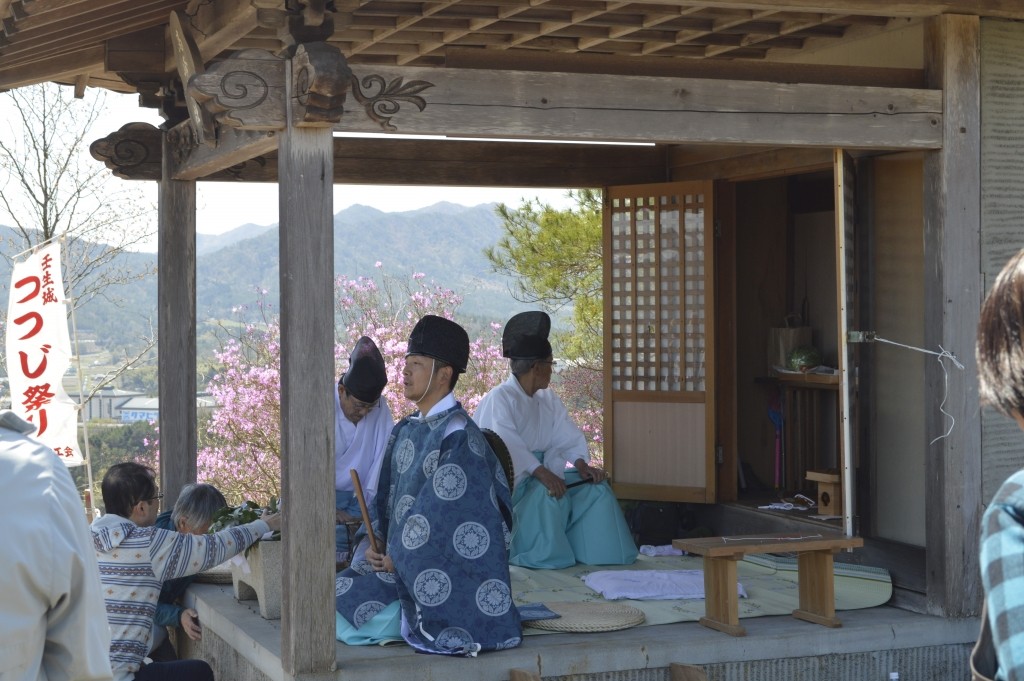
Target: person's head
[
  {"x": 130, "y": 491},
  {"x": 524, "y": 341},
  {"x": 360, "y": 387},
  {"x": 196, "y": 505},
  {"x": 437, "y": 353},
  {"x": 1000, "y": 347},
  {"x": 533, "y": 374}
]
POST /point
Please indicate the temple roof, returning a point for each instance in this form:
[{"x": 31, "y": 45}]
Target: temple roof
[{"x": 123, "y": 45}]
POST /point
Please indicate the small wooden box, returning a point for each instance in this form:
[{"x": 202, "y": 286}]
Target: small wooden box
[{"x": 830, "y": 492}]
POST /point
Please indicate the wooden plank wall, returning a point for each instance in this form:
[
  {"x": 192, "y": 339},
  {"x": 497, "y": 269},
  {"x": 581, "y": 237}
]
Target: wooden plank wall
[{"x": 1002, "y": 212}]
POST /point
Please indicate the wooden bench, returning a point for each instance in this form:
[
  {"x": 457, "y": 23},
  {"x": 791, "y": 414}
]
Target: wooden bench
[{"x": 815, "y": 578}]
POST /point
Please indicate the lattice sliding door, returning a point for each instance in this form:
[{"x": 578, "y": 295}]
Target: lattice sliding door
[{"x": 659, "y": 341}]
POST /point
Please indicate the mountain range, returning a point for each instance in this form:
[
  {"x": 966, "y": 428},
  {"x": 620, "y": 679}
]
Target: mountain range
[{"x": 445, "y": 242}]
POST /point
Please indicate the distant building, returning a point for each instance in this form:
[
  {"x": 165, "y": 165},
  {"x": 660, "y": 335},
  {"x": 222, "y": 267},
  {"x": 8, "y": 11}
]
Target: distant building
[
  {"x": 106, "y": 403},
  {"x": 140, "y": 409},
  {"x": 129, "y": 406},
  {"x": 148, "y": 408}
]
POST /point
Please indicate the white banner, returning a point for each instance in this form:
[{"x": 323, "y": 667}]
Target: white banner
[{"x": 39, "y": 352}]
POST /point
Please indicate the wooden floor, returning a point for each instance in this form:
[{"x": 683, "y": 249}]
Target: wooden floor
[{"x": 886, "y": 637}]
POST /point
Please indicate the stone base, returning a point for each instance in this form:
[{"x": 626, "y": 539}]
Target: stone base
[{"x": 263, "y": 582}]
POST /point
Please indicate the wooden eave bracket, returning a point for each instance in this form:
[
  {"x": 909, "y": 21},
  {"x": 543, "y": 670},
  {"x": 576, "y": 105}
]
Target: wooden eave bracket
[
  {"x": 131, "y": 153},
  {"x": 246, "y": 91}
]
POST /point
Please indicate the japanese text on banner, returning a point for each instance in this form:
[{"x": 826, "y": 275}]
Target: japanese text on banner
[{"x": 39, "y": 352}]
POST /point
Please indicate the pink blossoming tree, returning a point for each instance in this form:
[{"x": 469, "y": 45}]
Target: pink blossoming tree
[{"x": 240, "y": 447}]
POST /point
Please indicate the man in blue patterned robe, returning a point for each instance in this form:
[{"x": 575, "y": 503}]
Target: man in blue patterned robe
[{"x": 440, "y": 579}]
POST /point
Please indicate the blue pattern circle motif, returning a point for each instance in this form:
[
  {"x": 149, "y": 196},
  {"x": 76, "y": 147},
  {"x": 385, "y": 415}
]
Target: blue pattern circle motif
[
  {"x": 365, "y": 612},
  {"x": 432, "y": 587},
  {"x": 477, "y": 446},
  {"x": 415, "y": 532},
  {"x": 493, "y": 597},
  {"x": 402, "y": 507},
  {"x": 386, "y": 577},
  {"x": 508, "y": 644},
  {"x": 453, "y": 638},
  {"x": 342, "y": 585},
  {"x": 430, "y": 462},
  {"x": 404, "y": 455},
  {"x": 450, "y": 482},
  {"x": 471, "y": 540}
]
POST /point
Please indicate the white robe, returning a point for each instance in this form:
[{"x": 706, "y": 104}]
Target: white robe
[
  {"x": 586, "y": 525},
  {"x": 360, "y": 446},
  {"x": 532, "y": 424}
]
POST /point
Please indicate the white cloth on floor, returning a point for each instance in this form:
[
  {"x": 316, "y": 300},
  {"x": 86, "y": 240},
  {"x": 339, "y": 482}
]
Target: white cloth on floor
[
  {"x": 663, "y": 550},
  {"x": 650, "y": 585}
]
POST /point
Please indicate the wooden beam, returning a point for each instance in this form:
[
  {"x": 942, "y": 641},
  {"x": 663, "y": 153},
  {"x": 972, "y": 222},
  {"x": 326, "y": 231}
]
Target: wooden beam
[
  {"x": 231, "y": 148},
  {"x": 739, "y": 166},
  {"x": 952, "y": 259},
  {"x": 218, "y": 26},
  {"x": 586, "y": 107},
  {"x": 482, "y": 164},
  {"x": 59, "y": 68},
  {"x": 900, "y": 8},
  {"x": 535, "y": 60},
  {"x": 176, "y": 293},
  {"x": 307, "y": 419},
  {"x": 456, "y": 163}
]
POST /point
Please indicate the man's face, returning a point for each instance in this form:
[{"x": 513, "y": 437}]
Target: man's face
[
  {"x": 543, "y": 369},
  {"x": 416, "y": 376},
  {"x": 353, "y": 409},
  {"x": 147, "y": 510}
]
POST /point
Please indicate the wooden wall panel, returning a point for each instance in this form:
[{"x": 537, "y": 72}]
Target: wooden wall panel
[
  {"x": 667, "y": 429},
  {"x": 1002, "y": 208},
  {"x": 1002, "y": 144}
]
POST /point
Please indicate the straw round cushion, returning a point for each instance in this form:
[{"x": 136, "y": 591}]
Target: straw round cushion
[{"x": 587, "y": 617}]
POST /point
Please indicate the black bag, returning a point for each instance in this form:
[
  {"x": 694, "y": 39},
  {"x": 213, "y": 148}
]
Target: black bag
[
  {"x": 657, "y": 522},
  {"x": 983, "y": 657}
]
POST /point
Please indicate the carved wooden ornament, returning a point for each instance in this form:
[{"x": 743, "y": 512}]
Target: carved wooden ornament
[
  {"x": 245, "y": 91},
  {"x": 133, "y": 152},
  {"x": 321, "y": 78}
]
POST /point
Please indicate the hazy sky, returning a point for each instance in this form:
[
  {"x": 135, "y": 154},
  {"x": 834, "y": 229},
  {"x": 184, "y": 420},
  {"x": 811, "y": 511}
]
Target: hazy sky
[{"x": 223, "y": 206}]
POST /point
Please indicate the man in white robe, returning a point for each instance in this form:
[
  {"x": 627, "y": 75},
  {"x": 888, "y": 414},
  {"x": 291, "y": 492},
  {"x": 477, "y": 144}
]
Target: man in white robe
[
  {"x": 362, "y": 425},
  {"x": 564, "y": 510}
]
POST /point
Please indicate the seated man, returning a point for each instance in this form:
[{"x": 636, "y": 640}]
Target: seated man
[
  {"x": 362, "y": 424},
  {"x": 555, "y": 525},
  {"x": 440, "y": 579},
  {"x": 135, "y": 559},
  {"x": 194, "y": 510}
]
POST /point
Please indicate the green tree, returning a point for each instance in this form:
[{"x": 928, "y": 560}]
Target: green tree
[
  {"x": 554, "y": 256},
  {"x": 113, "y": 443}
]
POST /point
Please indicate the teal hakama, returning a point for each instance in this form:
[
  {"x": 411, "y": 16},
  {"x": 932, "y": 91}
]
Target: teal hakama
[{"x": 586, "y": 525}]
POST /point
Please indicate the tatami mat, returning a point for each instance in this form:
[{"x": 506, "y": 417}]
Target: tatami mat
[{"x": 770, "y": 582}]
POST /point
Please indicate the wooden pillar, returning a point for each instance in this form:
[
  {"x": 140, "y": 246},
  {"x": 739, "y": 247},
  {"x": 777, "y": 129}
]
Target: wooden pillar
[
  {"x": 306, "y": 171},
  {"x": 954, "y": 290},
  {"x": 176, "y": 345}
]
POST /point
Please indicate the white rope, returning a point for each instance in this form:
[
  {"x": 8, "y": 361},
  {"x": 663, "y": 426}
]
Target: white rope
[{"x": 945, "y": 379}]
